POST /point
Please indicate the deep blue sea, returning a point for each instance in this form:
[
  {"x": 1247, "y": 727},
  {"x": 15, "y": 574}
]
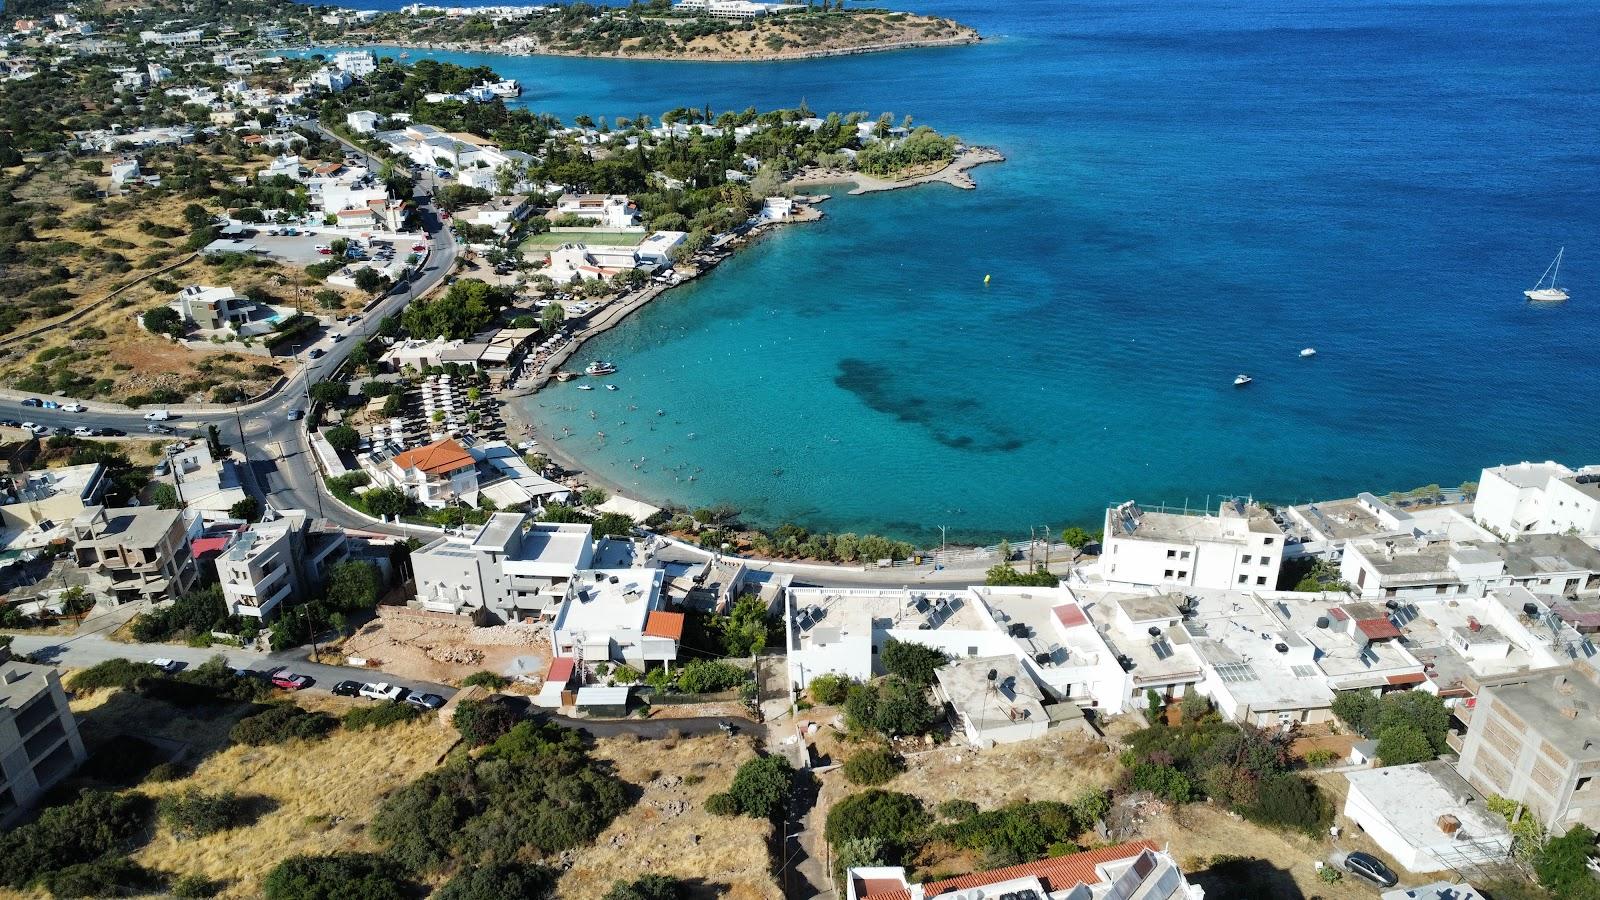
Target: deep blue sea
[{"x": 1193, "y": 190}]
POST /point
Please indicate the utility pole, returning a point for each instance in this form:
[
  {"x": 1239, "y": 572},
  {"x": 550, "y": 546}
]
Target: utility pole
[
  {"x": 310, "y": 633},
  {"x": 944, "y": 549}
]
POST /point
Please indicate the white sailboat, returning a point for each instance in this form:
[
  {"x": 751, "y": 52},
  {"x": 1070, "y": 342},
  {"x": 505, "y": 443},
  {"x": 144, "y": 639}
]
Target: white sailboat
[{"x": 1542, "y": 294}]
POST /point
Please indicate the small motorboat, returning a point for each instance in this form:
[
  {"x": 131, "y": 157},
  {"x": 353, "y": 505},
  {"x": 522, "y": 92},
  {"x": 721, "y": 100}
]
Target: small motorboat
[
  {"x": 611, "y": 387},
  {"x": 1309, "y": 351},
  {"x": 1241, "y": 380},
  {"x": 585, "y": 387},
  {"x": 599, "y": 367}
]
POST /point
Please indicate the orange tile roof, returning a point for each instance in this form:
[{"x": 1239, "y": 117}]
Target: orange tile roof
[
  {"x": 560, "y": 670},
  {"x": 1059, "y": 873},
  {"x": 436, "y": 458},
  {"x": 665, "y": 624}
]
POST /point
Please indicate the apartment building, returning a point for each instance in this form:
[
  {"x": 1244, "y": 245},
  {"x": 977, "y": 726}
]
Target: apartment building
[
  {"x": 1534, "y": 737},
  {"x": 269, "y": 562},
  {"x": 1241, "y": 547},
  {"x": 143, "y": 550},
  {"x": 508, "y": 569},
  {"x": 1538, "y": 498},
  {"x": 39, "y": 742}
]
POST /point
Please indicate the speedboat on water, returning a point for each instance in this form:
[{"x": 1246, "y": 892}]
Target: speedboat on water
[
  {"x": 1241, "y": 380},
  {"x": 599, "y": 367},
  {"x": 585, "y": 387},
  {"x": 1309, "y": 351},
  {"x": 611, "y": 387}
]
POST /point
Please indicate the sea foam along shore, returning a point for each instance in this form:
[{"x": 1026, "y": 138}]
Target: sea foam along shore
[
  {"x": 515, "y": 402},
  {"x": 759, "y": 57}
]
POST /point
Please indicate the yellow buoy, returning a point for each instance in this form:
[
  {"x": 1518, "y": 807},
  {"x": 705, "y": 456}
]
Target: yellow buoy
[{"x": 985, "y": 279}]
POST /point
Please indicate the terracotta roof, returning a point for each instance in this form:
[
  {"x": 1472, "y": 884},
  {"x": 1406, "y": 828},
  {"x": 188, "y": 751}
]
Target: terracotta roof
[
  {"x": 1413, "y": 678},
  {"x": 436, "y": 458},
  {"x": 1377, "y": 629},
  {"x": 1070, "y": 616},
  {"x": 1338, "y": 614},
  {"x": 560, "y": 670},
  {"x": 873, "y": 888},
  {"x": 204, "y": 545},
  {"x": 353, "y": 212},
  {"x": 665, "y": 625},
  {"x": 1059, "y": 873}
]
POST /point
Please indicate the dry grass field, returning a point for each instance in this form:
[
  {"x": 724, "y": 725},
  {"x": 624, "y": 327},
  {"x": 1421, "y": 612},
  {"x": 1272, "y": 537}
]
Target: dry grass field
[
  {"x": 668, "y": 831},
  {"x": 111, "y": 244}
]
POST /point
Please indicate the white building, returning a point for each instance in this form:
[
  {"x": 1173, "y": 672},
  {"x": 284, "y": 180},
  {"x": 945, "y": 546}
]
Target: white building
[
  {"x": 607, "y": 211},
  {"x": 331, "y": 80},
  {"x": 1241, "y": 547},
  {"x": 158, "y": 73},
  {"x": 734, "y": 9},
  {"x": 840, "y": 631},
  {"x": 1427, "y": 817},
  {"x": 362, "y": 121},
  {"x": 1003, "y": 709},
  {"x": 508, "y": 569},
  {"x": 616, "y": 615},
  {"x": 269, "y": 562},
  {"x": 1137, "y": 870},
  {"x": 172, "y": 39},
  {"x": 1439, "y": 890},
  {"x": 355, "y": 63},
  {"x": 1538, "y": 498},
  {"x": 1425, "y": 568},
  {"x": 39, "y": 742},
  {"x": 656, "y": 250}
]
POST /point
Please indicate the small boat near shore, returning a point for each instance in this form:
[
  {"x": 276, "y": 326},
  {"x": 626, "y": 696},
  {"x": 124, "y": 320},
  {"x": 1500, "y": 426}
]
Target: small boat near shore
[
  {"x": 599, "y": 367},
  {"x": 1307, "y": 352},
  {"x": 585, "y": 387},
  {"x": 611, "y": 387},
  {"x": 1241, "y": 380}
]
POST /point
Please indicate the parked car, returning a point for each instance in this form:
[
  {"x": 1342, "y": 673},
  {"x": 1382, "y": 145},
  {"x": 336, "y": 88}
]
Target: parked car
[
  {"x": 347, "y": 689},
  {"x": 73, "y": 407},
  {"x": 382, "y": 690},
  {"x": 109, "y": 432},
  {"x": 1369, "y": 867},
  {"x": 81, "y": 431},
  {"x": 336, "y": 337},
  {"x": 153, "y": 428},
  {"x": 418, "y": 248},
  {"x": 61, "y": 431},
  {"x": 324, "y": 249},
  {"x": 316, "y": 353},
  {"x": 289, "y": 681},
  {"x": 33, "y": 401},
  {"x": 157, "y": 415},
  {"x": 51, "y": 404},
  {"x": 38, "y": 430},
  {"x": 296, "y": 414},
  {"x": 166, "y": 665},
  {"x": 10, "y": 423},
  {"x": 426, "y": 701}
]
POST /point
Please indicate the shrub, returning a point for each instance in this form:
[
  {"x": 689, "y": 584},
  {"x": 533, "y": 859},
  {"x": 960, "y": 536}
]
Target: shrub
[
  {"x": 897, "y": 820},
  {"x": 194, "y": 813},
  {"x": 761, "y": 786},
  {"x": 342, "y": 876},
  {"x": 874, "y": 765},
  {"x": 485, "y": 679},
  {"x": 650, "y": 887},
  {"x": 381, "y": 715},
  {"x": 1289, "y": 801},
  {"x": 913, "y": 662},
  {"x": 1166, "y": 782},
  {"x": 483, "y": 721},
  {"x": 281, "y": 723},
  {"x": 829, "y": 688},
  {"x": 1562, "y": 865},
  {"x": 722, "y": 804},
  {"x": 499, "y": 881},
  {"x": 122, "y": 673},
  {"x": 108, "y": 876},
  {"x": 1401, "y": 744},
  {"x": 196, "y": 887},
  {"x": 703, "y": 676},
  {"x": 1321, "y": 757},
  {"x": 891, "y": 707},
  {"x": 957, "y": 809},
  {"x": 97, "y": 823}
]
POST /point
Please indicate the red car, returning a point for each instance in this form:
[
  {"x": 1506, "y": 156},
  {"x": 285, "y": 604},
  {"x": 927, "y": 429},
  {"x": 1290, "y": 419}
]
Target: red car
[
  {"x": 418, "y": 248},
  {"x": 289, "y": 681}
]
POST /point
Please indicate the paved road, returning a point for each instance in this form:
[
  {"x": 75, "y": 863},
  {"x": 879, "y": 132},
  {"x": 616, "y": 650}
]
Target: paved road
[{"x": 82, "y": 650}]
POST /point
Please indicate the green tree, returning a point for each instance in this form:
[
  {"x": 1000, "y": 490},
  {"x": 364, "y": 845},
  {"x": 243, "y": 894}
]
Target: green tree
[
  {"x": 330, "y": 392},
  {"x": 829, "y": 688},
  {"x": 342, "y": 437},
  {"x": 915, "y": 663},
  {"x": 353, "y": 585},
  {"x": 195, "y": 813},
  {"x": 368, "y": 279},
  {"x": 874, "y": 765},
  {"x": 483, "y": 721},
  {"x": 1400, "y": 744},
  {"x": 164, "y": 320},
  {"x": 613, "y": 525},
  {"x": 895, "y": 820},
  {"x": 1562, "y": 865},
  {"x": 341, "y": 876},
  {"x": 649, "y": 887},
  {"x": 761, "y": 786},
  {"x": 500, "y": 881},
  {"x": 552, "y": 317},
  {"x": 1073, "y": 536},
  {"x": 247, "y": 508},
  {"x": 165, "y": 496},
  {"x": 386, "y": 501}
]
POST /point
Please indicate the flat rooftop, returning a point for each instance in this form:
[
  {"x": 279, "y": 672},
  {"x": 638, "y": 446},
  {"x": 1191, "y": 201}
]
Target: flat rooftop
[
  {"x": 137, "y": 526},
  {"x": 1531, "y": 474},
  {"x": 1338, "y": 654},
  {"x": 21, "y": 682},
  {"x": 824, "y": 616},
  {"x": 1046, "y": 623},
  {"x": 610, "y": 599},
  {"x": 1154, "y": 659},
  {"x": 1412, "y": 798},
  {"x": 1532, "y": 555},
  {"x": 1341, "y": 520},
  {"x": 1560, "y": 705},
  {"x": 1010, "y": 699}
]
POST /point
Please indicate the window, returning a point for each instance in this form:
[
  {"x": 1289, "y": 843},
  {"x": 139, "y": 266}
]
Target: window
[
  {"x": 1184, "y": 555},
  {"x": 1167, "y": 574},
  {"x": 1388, "y": 592},
  {"x": 1584, "y": 782},
  {"x": 1244, "y": 579},
  {"x": 1246, "y": 559},
  {"x": 1261, "y": 581},
  {"x": 1182, "y": 575},
  {"x": 1267, "y": 542},
  {"x": 1172, "y": 554},
  {"x": 972, "y": 651}
]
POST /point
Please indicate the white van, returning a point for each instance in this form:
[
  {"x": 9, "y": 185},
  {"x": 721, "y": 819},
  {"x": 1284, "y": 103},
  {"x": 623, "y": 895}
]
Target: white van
[{"x": 159, "y": 415}]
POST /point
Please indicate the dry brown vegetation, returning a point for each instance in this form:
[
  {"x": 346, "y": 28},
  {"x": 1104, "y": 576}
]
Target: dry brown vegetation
[
  {"x": 106, "y": 353},
  {"x": 794, "y": 36},
  {"x": 668, "y": 831}
]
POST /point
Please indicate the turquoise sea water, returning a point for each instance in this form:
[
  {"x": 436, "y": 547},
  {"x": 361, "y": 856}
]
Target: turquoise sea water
[{"x": 1193, "y": 190}]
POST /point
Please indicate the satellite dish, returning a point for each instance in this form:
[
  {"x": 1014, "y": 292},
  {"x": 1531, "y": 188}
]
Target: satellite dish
[{"x": 993, "y": 674}]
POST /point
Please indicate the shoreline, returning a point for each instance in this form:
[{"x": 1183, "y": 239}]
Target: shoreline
[
  {"x": 768, "y": 57},
  {"x": 520, "y": 424}
]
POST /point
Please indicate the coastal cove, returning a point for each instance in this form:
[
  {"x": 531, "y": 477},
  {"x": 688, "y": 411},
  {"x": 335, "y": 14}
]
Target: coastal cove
[{"x": 1170, "y": 215}]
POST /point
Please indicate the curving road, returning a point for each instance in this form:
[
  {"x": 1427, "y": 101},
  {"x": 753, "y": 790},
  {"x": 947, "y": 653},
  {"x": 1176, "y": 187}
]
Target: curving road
[{"x": 281, "y": 469}]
